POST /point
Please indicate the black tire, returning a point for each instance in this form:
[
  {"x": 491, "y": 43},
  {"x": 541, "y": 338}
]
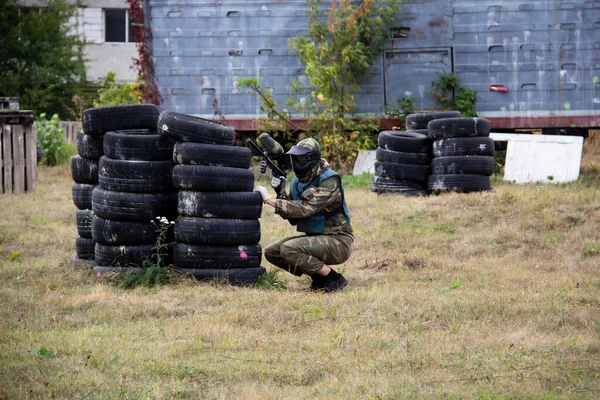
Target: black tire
[
  {"x": 138, "y": 146},
  {"x": 135, "y": 176},
  {"x": 405, "y": 142},
  {"x": 122, "y": 206},
  {"x": 407, "y": 172},
  {"x": 459, "y": 127},
  {"x": 212, "y": 154},
  {"x": 126, "y": 255},
  {"x": 420, "y": 121},
  {"x": 83, "y": 220},
  {"x": 390, "y": 156},
  {"x": 84, "y": 170},
  {"x": 82, "y": 195},
  {"x": 97, "y": 121},
  {"x": 382, "y": 182},
  {"x": 90, "y": 146},
  {"x": 113, "y": 233},
  {"x": 479, "y": 165},
  {"x": 219, "y": 231},
  {"x": 245, "y": 205},
  {"x": 84, "y": 248},
  {"x": 237, "y": 277},
  {"x": 458, "y": 183},
  {"x": 474, "y": 146},
  {"x": 381, "y": 185},
  {"x": 216, "y": 257},
  {"x": 187, "y": 128},
  {"x": 212, "y": 179}
]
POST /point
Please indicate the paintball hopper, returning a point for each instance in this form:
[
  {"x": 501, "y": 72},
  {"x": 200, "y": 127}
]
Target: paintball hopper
[{"x": 270, "y": 146}]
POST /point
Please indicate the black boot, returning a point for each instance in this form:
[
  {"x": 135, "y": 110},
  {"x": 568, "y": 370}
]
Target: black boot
[
  {"x": 318, "y": 282},
  {"x": 334, "y": 281}
]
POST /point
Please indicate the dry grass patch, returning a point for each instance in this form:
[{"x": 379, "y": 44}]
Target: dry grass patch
[{"x": 483, "y": 296}]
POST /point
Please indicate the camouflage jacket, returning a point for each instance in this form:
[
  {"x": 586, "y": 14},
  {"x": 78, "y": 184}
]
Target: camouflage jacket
[{"x": 325, "y": 197}]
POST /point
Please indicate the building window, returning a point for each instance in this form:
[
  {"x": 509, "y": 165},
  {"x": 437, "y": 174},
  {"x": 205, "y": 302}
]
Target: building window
[{"x": 118, "y": 26}]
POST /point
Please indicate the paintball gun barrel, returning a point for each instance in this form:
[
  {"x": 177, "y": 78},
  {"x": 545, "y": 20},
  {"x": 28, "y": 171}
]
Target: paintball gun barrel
[{"x": 270, "y": 148}]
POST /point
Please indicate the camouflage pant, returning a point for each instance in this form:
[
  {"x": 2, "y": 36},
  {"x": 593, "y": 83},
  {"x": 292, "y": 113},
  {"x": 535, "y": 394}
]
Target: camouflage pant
[{"x": 307, "y": 254}]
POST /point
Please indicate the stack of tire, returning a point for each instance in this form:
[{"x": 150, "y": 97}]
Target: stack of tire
[
  {"x": 133, "y": 184},
  {"x": 463, "y": 155},
  {"x": 217, "y": 232},
  {"x": 402, "y": 163},
  {"x": 84, "y": 170}
]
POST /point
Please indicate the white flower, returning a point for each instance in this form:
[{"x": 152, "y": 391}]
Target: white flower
[{"x": 172, "y": 222}]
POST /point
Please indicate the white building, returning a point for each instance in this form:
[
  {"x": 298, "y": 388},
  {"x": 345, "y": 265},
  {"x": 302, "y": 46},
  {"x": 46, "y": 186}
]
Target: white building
[{"x": 106, "y": 29}]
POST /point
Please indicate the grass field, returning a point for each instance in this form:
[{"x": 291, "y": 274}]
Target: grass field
[{"x": 479, "y": 296}]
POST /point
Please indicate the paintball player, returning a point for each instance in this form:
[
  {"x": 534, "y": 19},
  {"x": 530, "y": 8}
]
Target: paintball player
[{"x": 316, "y": 205}]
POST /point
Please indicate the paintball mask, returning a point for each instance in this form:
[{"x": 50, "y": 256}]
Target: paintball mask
[{"x": 305, "y": 155}]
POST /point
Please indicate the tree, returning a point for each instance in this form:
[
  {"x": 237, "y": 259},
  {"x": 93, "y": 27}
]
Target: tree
[
  {"x": 337, "y": 52},
  {"x": 41, "y": 58}
]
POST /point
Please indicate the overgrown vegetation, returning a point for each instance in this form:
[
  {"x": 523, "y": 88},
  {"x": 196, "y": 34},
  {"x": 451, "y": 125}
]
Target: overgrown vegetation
[
  {"x": 401, "y": 109},
  {"x": 336, "y": 53},
  {"x": 41, "y": 57},
  {"x": 50, "y": 137},
  {"x": 451, "y": 96},
  {"x": 112, "y": 93},
  {"x": 153, "y": 272}
]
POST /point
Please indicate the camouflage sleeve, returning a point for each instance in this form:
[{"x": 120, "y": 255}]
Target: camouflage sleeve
[{"x": 314, "y": 199}]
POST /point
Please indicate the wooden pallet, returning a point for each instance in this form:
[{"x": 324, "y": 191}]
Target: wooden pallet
[
  {"x": 18, "y": 154},
  {"x": 16, "y": 117},
  {"x": 9, "y": 103}
]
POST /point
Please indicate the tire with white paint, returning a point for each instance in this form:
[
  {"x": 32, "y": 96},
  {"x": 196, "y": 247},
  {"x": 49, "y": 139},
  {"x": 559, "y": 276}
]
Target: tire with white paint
[
  {"x": 216, "y": 257},
  {"x": 90, "y": 146},
  {"x": 471, "y": 146},
  {"x": 127, "y": 255},
  {"x": 187, "y": 128},
  {"x": 97, "y": 121},
  {"x": 83, "y": 221},
  {"x": 82, "y": 195},
  {"x": 421, "y": 120},
  {"x": 407, "y": 172},
  {"x": 458, "y": 183},
  {"x": 212, "y": 179},
  {"x": 458, "y": 127},
  {"x": 135, "y": 176},
  {"x": 480, "y": 165},
  {"x": 405, "y": 142},
  {"x": 390, "y": 156},
  {"x": 245, "y": 205},
  {"x": 218, "y": 231},
  {"x": 123, "y": 206},
  {"x": 112, "y": 232},
  {"x": 84, "y": 170},
  {"x": 138, "y": 145},
  {"x": 212, "y": 154}
]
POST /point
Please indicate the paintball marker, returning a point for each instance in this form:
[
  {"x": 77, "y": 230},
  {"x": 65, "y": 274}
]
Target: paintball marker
[{"x": 270, "y": 149}]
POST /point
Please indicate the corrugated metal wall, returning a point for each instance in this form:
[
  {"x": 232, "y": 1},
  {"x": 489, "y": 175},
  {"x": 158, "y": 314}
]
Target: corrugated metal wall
[{"x": 547, "y": 53}]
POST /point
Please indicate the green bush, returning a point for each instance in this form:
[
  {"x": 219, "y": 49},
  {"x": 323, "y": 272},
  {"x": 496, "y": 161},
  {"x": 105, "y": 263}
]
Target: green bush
[
  {"x": 50, "y": 138},
  {"x": 112, "y": 94}
]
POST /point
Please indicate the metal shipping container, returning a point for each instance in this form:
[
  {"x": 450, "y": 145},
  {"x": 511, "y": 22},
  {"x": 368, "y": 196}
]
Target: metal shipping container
[{"x": 545, "y": 54}]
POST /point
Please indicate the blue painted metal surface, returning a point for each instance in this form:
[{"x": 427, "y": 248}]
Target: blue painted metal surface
[{"x": 545, "y": 53}]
